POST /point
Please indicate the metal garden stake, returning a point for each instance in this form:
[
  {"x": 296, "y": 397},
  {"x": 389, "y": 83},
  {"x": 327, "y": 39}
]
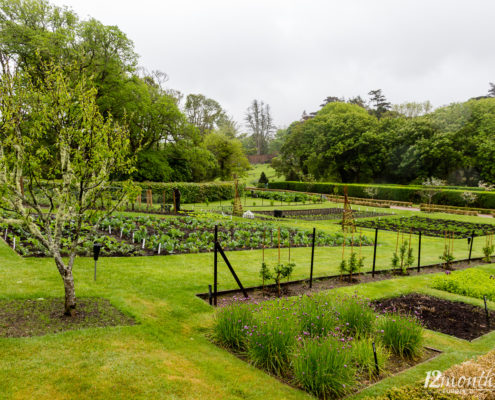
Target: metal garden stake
[{"x": 96, "y": 254}]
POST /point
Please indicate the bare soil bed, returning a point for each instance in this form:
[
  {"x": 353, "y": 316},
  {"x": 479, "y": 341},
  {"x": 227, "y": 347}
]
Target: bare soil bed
[
  {"x": 461, "y": 320},
  {"x": 37, "y": 317}
]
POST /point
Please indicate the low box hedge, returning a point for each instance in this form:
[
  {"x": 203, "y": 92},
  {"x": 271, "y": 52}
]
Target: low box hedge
[
  {"x": 191, "y": 192},
  {"x": 451, "y": 197}
]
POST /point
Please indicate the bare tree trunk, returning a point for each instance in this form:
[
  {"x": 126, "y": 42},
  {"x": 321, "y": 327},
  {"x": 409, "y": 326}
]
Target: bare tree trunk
[{"x": 70, "y": 291}]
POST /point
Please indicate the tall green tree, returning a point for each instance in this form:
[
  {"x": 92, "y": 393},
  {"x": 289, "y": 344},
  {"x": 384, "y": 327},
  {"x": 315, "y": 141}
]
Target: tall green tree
[
  {"x": 379, "y": 103},
  {"x": 229, "y": 154},
  {"x": 203, "y": 112},
  {"x": 340, "y": 143}
]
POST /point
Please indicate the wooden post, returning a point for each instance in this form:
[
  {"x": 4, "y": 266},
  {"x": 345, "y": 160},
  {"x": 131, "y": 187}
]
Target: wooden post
[
  {"x": 215, "y": 268},
  {"x": 419, "y": 252},
  {"x": 374, "y": 253},
  {"x": 312, "y": 259}
]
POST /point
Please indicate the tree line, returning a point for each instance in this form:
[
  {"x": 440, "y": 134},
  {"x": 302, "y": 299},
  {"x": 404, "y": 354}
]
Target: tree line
[
  {"x": 355, "y": 141},
  {"x": 174, "y": 137}
]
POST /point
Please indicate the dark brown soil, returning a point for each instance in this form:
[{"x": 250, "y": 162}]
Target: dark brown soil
[
  {"x": 28, "y": 317},
  {"x": 453, "y": 318},
  {"x": 296, "y": 288}
]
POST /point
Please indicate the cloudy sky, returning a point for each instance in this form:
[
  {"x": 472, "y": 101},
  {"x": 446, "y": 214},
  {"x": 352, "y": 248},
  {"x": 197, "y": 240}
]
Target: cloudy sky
[{"x": 292, "y": 54}]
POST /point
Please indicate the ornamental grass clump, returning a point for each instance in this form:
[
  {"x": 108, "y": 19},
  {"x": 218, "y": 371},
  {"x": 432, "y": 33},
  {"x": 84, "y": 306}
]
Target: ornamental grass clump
[
  {"x": 355, "y": 316},
  {"x": 316, "y": 316},
  {"x": 403, "y": 335},
  {"x": 231, "y": 325},
  {"x": 324, "y": 367},
  {"x": 364, "y": 359},
  {"x": 272, "y": 337}
]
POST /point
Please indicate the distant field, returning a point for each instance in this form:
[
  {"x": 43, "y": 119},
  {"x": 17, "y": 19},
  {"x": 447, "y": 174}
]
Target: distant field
[{"x": 254, "y": 174}]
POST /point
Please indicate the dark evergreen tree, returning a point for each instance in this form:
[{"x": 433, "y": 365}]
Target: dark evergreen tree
[
  {"x": 380, "y": 103},
  {"x": 491, "y": 91},
  {"x": 263, "y": 179}
]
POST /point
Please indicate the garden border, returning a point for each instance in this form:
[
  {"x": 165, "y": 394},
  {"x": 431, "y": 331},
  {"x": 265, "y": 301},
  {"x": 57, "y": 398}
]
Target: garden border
[{"x": 206, "y": 296}]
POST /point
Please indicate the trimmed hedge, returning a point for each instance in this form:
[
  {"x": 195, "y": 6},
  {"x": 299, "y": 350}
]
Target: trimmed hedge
[
  {"x": 451, "y": 197},
  {"x": 191, "y": 192}
]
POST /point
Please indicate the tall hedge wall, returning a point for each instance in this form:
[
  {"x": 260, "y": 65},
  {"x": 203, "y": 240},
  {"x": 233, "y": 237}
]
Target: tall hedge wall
[
  {"x": 450, "y": 197},
  {"x": 192, "y": 192}
]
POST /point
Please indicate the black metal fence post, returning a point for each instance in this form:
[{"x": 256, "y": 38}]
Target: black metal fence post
[
  {"x": 376, "y": 360},
  {"x": 471, "y": 246},
  {"x": 312, "y": 259},
  {"x": 487, "y": 314},
  {"x": 419, "y": 252},
  {"x": 374, "y": 253},
  {"x": 215, "y": 268}
]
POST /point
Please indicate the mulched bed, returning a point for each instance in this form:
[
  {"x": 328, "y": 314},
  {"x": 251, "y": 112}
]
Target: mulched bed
[
  {"x": 453, "y": 318},
  {"x": 429, "y": 226},
  {"x": 28, "y": 317}
]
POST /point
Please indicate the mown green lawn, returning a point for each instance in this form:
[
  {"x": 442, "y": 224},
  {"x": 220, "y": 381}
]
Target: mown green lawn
[{"x": 168, "y": 354}]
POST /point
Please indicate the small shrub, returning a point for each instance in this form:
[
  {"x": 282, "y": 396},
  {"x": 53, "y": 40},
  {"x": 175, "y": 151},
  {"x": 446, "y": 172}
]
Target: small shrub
[
  {"x": 231, "y": 323},
  {"x": 281, "y": 271},
  {"x": 351, "y": 266},
  {"x": 404, "y": 259},
  {"x": 488, "y": 249},
  {"x": 265, "y": 274},
  {"x": 403, "y": 335},
  {"x": 263, "y": 180},
  {"x": 324, "y": 368},
  {"x": 447, "y": 257}
]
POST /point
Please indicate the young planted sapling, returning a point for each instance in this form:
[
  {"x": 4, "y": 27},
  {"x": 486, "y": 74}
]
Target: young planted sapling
[
  {"x": 282, "y": 271},
  {"x": 488, "y": 249},
  {"x": 448, "y": 253},
  {"x": 265, "y": 274}
]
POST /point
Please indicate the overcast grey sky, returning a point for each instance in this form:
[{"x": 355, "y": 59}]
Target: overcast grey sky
[{"x": 293, "y": 54}]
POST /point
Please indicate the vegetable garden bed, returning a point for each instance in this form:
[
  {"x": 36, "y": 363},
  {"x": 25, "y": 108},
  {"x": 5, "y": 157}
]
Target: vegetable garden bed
[
  {"x": 429, "y": 226},
  {"x": 453, "y": 318},
  {"x": 148, "y": 235}
]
